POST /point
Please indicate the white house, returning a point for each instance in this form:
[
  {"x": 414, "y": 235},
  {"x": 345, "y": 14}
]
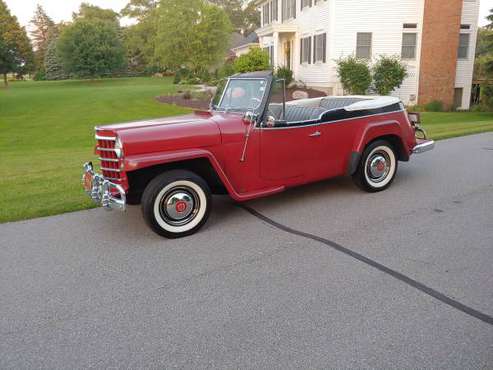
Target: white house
[{"x": 435, "y": 38}]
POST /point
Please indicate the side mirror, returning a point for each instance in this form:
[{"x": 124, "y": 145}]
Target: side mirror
[{"x": 249, "y": 118}]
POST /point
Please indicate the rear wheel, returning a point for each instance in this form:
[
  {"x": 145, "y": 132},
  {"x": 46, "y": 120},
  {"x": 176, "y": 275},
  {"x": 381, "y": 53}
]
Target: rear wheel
[
  {"x": 377, "y": 168},
  {"x": 176, "y": 203}
]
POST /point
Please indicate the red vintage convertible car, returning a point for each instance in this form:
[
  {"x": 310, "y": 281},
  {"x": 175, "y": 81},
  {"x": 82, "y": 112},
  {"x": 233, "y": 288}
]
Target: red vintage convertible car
[{"x": 250, "y": 144}]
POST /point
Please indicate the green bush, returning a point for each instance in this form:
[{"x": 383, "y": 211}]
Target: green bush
[
  {"x": 434, "y": 106},
  {"x": 388, "y": 74},
  {"x": 354, "y": 74},
  {"x": 226, "y": 70},
  {"x": 39, "y": 76},
  {"x": 255, "y": 60},
  {"x": 285, "y": 74},
  {"x": 181, "y": 74},
  {"x": 487, "y": 97}
]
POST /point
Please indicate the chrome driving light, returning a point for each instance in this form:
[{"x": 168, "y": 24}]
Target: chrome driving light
[{"x": 118, "y": 147}]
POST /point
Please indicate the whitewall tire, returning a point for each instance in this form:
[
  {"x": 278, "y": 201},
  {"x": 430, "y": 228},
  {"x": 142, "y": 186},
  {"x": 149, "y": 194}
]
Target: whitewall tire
[
  {"x": 176, "y": 203},
  {"x": 377, "y": 168}
]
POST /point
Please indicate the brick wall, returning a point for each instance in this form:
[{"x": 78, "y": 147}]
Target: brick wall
[{"x": 441, "y": 29}]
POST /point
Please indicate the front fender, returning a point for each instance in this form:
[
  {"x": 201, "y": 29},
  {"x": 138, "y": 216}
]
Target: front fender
[{"x": 142, "y": 161}]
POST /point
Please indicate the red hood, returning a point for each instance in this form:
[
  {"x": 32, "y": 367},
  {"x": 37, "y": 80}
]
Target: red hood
[{"x": 196, "y": 130}]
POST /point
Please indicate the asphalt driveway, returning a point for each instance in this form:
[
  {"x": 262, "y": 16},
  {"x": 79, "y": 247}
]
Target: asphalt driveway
[{"x": 323, "y": 276}]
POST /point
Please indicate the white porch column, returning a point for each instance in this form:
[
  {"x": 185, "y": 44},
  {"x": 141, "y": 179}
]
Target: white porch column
[
  {"x": 275, "y": 56},
  {"x": 296, "y": 56}
]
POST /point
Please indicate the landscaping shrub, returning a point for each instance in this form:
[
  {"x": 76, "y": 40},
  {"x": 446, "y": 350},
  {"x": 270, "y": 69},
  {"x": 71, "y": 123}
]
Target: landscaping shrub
[
  {"x": 286, "y": 74},
  {"x": 226, "y": 70},
  {"x": 354, "y": 74},
  {"x": 255, "y": 60},
  {"x": 434, "y": 106},
  {"x": 39, "y": 76},
  {"x": 388, "y": 74},
  {"x": 181, "y": 74},
  {"x": 487, "y": 97}
]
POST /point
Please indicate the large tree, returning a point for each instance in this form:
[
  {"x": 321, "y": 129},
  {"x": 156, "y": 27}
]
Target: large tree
[
  {"x": 91, "y": 48},
  {"x": 93, "y": 12},
  {"x": 53, "y": 65},
  {"x": 192, "y": 33},
  {"x": 243, "y": 14},
  {"x": 16, "y": 54},
  {"x": 42, "y": 25},
  {"x": 489, "y": 17},
  {"x": 140, "y": 38}
]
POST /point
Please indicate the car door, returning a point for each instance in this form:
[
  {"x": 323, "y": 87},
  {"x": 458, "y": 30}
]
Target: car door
[{"x": 291, "y": 153}]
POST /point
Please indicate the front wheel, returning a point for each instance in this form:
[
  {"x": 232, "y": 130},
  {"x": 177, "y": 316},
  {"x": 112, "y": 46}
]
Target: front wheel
[
  {"x": 176, "y": 203},
  {"x": 377, "y": 168}
]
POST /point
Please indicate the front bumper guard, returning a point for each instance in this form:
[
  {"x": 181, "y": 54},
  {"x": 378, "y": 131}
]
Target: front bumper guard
[{"x": 103, "y": 192}]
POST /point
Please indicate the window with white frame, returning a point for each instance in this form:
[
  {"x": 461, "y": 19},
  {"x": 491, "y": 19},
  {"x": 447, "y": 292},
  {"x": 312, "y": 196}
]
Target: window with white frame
[
  {"x": 288, "y": 9},
  {"x": 305, "y": 3},
  {"x": 409, "y": 41},
  {"x": 320, "y": 48},
  {"x": 463, "y": 52},
  {"x": 363, "y": 45},
  {"x": 274, "y": 11},
  {"x": 266, "y": 14},
  {"x": 306, "y": 50}
]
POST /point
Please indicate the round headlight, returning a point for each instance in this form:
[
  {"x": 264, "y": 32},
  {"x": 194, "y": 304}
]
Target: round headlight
[{"x": 118, "y": 147}]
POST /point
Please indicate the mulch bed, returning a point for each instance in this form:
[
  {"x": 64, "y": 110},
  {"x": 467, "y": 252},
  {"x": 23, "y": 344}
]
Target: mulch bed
[
  {"x": 189, "y": 103},
  {"x": 201, "y": 104}
]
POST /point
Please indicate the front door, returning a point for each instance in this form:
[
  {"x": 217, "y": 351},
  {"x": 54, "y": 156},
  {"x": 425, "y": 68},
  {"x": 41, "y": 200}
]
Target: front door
[
  {"x": 290, "y": 153},
  {"x": 287, "y": 54}
]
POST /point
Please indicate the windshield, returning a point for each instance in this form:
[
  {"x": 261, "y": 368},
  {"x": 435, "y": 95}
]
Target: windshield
[{"x": 240, "y": 95}]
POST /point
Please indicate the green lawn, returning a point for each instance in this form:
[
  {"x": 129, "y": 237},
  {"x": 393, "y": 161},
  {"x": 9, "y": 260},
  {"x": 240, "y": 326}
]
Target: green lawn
[
  {"x": 441, "y": 126},
  {"x": 46, "y": 134}
]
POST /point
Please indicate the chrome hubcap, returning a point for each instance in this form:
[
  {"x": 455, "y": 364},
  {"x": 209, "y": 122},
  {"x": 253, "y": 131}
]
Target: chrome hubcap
[
  {"x": 378, "y": 167},
  {"x": 179, "y": 206}
]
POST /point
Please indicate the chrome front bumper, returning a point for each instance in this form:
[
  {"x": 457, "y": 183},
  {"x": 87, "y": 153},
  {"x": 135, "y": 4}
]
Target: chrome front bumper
[
  {"x": 103, "y": 192},
  {"x": 424, "y": 146}
]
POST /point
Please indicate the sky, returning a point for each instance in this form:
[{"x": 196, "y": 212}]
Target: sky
[{"x": 61, "y": 10}]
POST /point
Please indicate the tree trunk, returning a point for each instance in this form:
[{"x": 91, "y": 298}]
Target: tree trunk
[{"x": 5, "y": 80}]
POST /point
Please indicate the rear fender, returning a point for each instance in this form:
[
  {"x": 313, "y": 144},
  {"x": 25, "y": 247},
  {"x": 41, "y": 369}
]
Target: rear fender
[{"x": 388, "y": 130}]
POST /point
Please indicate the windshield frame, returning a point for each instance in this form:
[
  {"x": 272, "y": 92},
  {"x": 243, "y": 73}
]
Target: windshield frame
[{"x": 217, "y": 107}]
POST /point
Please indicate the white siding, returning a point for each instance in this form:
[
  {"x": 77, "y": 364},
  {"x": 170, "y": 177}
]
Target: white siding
[
  {"x": 343, "y": 19},
  {"x": 465, "y": 67},
  {"x": 385, "y": 20}
]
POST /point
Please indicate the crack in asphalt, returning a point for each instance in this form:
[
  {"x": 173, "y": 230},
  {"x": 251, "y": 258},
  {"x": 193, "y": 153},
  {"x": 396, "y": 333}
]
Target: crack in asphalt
[{"x": 395, "y": 274}]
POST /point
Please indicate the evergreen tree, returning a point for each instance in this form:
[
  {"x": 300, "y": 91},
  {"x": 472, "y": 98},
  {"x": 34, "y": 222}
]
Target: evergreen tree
[
  {"x": 42, "y": 26},
  {"x": 16, "y": 54},
  {"x": 52, "y": 63}
]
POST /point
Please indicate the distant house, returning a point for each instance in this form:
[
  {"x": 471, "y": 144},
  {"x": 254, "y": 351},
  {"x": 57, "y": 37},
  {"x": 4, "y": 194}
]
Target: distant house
[
  {"x": 242, "y": 45},
  {"x": 436, "y": 39}
]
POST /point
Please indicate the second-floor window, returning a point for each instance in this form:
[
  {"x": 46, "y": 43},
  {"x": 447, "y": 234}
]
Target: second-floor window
[
  {"x": 288, "y": 9},
  {"x": 320, "y": 48},
  {"x": 463, "y": 52},
  {"x": 266, "y": 14},
  {"x": 306, "y": 50},
  {"x": 409, "y": 45},
  {"x": 363, "y": 45},
  {"x": 305, "y": 3}
]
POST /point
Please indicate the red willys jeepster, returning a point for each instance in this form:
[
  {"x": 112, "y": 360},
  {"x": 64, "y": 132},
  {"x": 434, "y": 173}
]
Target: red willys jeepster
[{"x": 250, "y": 144}]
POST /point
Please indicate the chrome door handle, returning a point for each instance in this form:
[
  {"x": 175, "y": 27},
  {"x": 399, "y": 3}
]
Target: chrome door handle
[{"x": 316, "y": 134}]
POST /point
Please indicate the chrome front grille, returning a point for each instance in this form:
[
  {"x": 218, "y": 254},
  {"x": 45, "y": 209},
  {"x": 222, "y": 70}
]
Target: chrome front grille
[{"x": 110, "y": 164}]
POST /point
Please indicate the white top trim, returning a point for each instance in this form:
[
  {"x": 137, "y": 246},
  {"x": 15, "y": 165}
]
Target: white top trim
[{"x": 374, "y": 103}]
